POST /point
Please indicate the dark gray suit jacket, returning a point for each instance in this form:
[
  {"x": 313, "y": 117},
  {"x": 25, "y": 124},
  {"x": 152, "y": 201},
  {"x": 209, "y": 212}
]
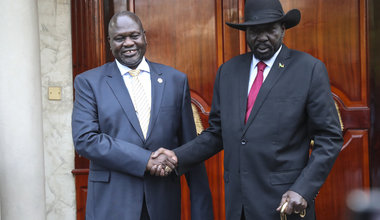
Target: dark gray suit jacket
[
  {"x": 106, "y": 130},
  {"x": 270, "y": 154}
]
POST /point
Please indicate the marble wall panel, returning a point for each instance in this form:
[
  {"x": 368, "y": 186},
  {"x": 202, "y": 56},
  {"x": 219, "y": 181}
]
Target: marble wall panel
[{"x": 56, "y": 70}]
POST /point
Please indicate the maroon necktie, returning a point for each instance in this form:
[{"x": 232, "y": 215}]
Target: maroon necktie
[{"x": 255, "y": 88}]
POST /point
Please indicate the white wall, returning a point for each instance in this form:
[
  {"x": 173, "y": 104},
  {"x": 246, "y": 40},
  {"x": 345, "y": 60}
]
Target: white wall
[{"x": 21, "y": 137}]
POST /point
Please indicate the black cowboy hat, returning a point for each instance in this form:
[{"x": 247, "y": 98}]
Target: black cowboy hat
[{"x": 266, "y": 11}]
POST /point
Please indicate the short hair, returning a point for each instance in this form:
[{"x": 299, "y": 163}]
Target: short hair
[{"x": 132, "y": 15}]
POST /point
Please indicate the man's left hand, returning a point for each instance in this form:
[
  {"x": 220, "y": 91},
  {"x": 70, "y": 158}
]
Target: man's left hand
[{"x": 296, "y": 203}]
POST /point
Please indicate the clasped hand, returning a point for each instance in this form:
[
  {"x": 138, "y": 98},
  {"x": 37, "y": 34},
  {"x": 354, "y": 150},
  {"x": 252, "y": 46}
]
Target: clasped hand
[{"x": 162, "y": 162}]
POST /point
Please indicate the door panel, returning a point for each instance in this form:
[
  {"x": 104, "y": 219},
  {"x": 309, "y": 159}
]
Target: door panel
[
  {"x": 194, "y": 52},
  {"x": 335, "y": 32},
  {"x": 351, "y": 171}
]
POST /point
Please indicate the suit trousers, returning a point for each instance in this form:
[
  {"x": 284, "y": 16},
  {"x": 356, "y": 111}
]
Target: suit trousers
[
  {"x": 144, "y": 212},
  {"x": 242, "y": 214}
]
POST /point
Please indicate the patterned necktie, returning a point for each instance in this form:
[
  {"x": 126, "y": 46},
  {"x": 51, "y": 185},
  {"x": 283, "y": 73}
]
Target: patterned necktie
[
  {"x": 140, "y": 101},
  {"x": 255, "y": 89}
]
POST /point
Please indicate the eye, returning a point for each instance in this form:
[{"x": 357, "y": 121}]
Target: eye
[
  {"x": 252, "y": 31},
  {"x": 135, "y": 36},
  {"x": 119, "y": 39}
]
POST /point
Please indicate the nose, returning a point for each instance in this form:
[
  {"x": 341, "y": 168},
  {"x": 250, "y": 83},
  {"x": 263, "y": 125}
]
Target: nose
[
  {"x": 128, "y": 42},
  {"x": 262, "y": 36}
]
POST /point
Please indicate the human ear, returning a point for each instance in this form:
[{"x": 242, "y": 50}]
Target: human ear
[{"x": 283, "y": 30}]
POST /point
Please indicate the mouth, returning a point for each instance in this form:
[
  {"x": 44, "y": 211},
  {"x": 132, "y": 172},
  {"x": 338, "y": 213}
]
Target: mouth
[
  {"x": 262, "y": 49},
  {"x": 129, "y": 52}
]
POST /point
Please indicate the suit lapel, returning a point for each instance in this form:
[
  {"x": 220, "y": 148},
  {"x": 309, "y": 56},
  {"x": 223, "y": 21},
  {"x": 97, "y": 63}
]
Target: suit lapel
[
  {"x": 158, "y": 84},
  {"x": 244, "y": 70},
  {"x": 116, "y": 82},
  {"x": 277, "y": 69}
]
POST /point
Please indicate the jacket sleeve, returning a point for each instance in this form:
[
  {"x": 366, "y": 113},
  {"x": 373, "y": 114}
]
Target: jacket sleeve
[
  {"x": 209, "y": 142},
  {"x": 324, "y": 128},
  {"x": 91, "y": 143},
  {"x": 196, "y": 177}
]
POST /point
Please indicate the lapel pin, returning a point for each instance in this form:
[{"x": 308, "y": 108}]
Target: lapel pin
[
  {"x": 159, "y": 80},
  {"x": 281, "y": 65}
]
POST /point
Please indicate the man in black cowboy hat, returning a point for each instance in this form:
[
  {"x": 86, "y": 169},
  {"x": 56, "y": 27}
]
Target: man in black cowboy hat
[{"x": 268, "y": 105}]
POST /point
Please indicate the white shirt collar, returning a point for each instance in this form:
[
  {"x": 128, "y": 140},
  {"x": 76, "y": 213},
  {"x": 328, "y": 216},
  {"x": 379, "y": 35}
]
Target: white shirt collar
[
  {"x": 143, "y": 66},
  {"x": 269, "y": 62}
]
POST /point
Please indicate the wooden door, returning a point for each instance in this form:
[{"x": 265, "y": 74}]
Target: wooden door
[
  {"x": 335, "y": 31},
  {"x": 191, "y": 36}
]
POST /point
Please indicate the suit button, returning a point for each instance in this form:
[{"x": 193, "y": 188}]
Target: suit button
[{"x": 243, "y": 142}]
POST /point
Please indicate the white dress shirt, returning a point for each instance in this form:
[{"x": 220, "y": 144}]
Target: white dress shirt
[
  {"x": 144, "y": 79},
  {"x": 253, "y": 70}
]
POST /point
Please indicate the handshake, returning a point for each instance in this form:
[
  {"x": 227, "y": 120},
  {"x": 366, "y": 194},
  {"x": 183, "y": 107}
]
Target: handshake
[{"x": 162, "y": 162}]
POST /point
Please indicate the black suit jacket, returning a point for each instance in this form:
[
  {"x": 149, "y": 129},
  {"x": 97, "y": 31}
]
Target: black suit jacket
[{"x": 270, "y": 153}]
